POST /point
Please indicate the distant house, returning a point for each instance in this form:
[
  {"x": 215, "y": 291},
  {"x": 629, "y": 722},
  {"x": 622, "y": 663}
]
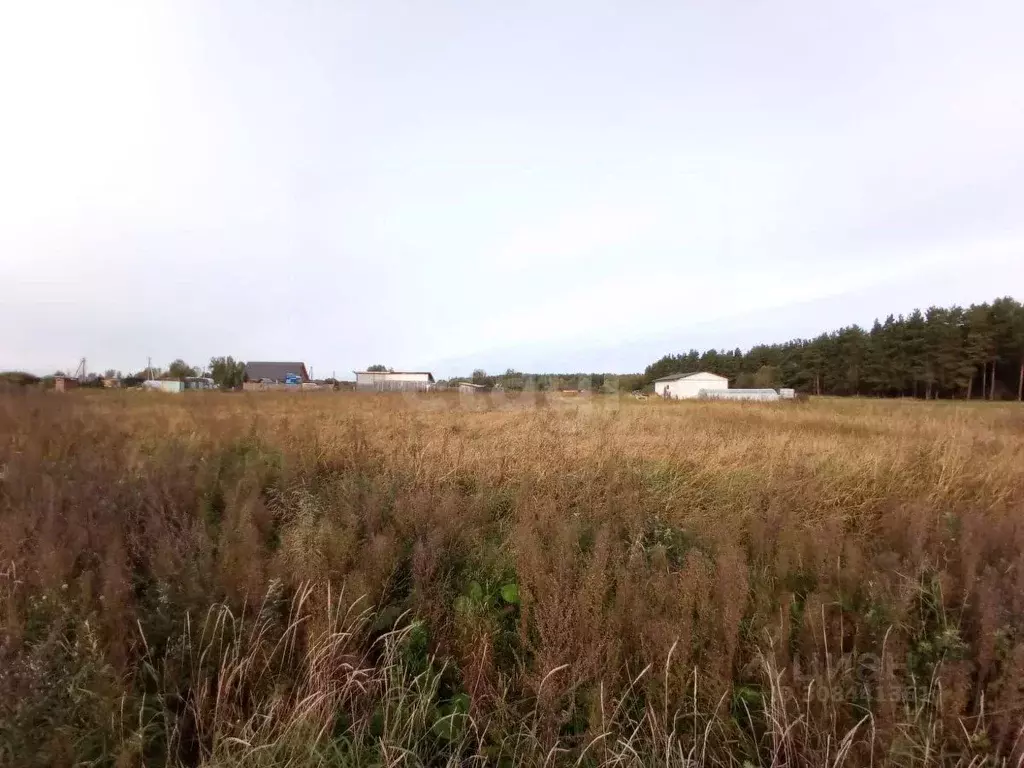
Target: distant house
[
  {"x": 685, "y": 386},
  {"x": 171, "y": 386},
  {"x": 272, "y": 375},
  {"x": 468, "y": 388},
  {"x": 64, "y": 383},
  {"x": 199, "y": 382},
  {"x": 394, "y": 381}
]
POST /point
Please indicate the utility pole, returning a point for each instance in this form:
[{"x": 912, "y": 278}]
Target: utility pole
[{"x": 149, "y": 368}]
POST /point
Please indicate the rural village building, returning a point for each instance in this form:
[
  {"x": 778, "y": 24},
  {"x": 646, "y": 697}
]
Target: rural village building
[
  {"x": 394, "y": 381},
  {"x": 763, "y": 395},
  {"x": 684, "y": 386},
  {"x": 64, "y": 383},
  {"x": 274, "y": 375},
  {"x": 171, "y": 386}
]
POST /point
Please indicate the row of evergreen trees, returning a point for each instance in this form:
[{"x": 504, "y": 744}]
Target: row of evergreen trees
[{"x": 973, "y": 352}]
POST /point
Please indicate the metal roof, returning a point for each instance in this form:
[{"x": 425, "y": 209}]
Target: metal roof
[
  {"x": 274, "y": 371},
  {"x": 677, "y": 376}
]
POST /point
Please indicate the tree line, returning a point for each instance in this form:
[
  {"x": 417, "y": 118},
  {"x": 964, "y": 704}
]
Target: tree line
[
  {"x": 942, "y": 352},
  {"x": 226, "y": 372},
  {"x": 975, "y": 352}
]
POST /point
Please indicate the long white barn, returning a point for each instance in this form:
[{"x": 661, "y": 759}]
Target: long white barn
[
  {"x": 685, "y": 386},
  {"x": 763, "y": 395},
  {"x": 394, "y": 381}
]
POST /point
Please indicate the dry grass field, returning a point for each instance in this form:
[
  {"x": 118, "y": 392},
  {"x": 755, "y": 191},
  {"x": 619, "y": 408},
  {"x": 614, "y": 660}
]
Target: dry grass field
[{"x": 350, "y": 580}]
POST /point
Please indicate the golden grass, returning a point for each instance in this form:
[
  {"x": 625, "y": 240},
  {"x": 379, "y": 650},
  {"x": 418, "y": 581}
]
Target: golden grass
[{"x": 348, "y": 579}]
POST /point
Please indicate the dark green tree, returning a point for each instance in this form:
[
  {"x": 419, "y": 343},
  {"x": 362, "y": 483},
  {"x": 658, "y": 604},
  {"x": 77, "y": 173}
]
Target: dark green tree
[
  {"x": 942, "y": 352},
  {"x": 979, "y": 345},
  {"x": 226, "y": 372},
  {"x": 179, "y": 369},
  {"x": 1017, "y": 349},
  {"x": 767, "y": 377}
]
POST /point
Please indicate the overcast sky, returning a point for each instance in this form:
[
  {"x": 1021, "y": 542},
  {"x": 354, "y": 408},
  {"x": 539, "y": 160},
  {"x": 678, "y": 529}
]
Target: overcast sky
[{"x": 541, "y": 185}]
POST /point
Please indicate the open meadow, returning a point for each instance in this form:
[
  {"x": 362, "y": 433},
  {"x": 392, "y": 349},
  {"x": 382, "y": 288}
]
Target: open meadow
[{"x": 366, "y": 580}]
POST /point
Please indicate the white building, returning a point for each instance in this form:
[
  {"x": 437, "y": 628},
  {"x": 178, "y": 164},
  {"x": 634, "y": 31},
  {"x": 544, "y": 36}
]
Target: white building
[
  {"x": 173, "y": 386},
  {"x": 763, "y": 395},
  {"x": 394, "y": 381},
  {"x": 685, "y": 386},
  {"x": 199, "y": 382}
]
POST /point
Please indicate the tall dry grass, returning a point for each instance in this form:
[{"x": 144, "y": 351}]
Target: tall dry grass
[{"x": 382, "y": 580}]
